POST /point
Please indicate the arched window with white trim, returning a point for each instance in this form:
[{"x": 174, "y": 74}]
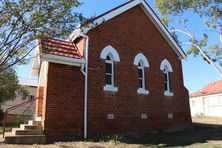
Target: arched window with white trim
[
  {"x": 109, "y": 70},
  {"x": 166, "y": 67},
  {"x": 141, "y": 62},
  {"x": 110, "y": 55},
  {"x": 141, "y": 75}
]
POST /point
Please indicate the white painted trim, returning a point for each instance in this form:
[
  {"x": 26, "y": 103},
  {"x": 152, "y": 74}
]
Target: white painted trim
[
  {"x": 140, "y": 57},
  {"x": 110, "y": 88},
  {"x": 36, "y": 61},
  {"x": 86, "y": 52},
  {"x": 111, "y": 61},
  {"x": 149, "y": 13},
  {"x": 110, "y": 50},
  {"x": 142, "y": 91},
  {"x": 165, "y": 63},
  {"x": 62, "y": 60},
  {"x": 167, "y": 93},
  {"x": 111, "y": 15},
  {"x": 164, "y": 31}
]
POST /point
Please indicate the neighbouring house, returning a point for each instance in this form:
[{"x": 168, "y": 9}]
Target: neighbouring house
[
  {"x": 207, "y": 101},
  {"x": 28, "y": 109},
  {"x": 121, "y": 75}
]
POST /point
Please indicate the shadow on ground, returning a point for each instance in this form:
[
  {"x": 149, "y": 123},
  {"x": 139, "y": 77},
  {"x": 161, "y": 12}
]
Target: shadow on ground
[{"x": 201, "y": 133}]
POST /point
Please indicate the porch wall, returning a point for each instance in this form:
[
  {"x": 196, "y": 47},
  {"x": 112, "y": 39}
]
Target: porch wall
[{"x": 63, "y": 119}]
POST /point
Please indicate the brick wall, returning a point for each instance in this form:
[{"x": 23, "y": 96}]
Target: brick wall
[
  {"x": 64, "y": 103},
  {"x": 131, "y": 33}
]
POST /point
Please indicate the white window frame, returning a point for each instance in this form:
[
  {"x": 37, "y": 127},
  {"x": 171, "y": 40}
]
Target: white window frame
[
  {"x": 142, "y": 60},
  {"x": 166, "y": 67},
  {"x": 110, "y": 87},
  {"x": 142, "y": 90},
  {"x": 114, "y": 56}
]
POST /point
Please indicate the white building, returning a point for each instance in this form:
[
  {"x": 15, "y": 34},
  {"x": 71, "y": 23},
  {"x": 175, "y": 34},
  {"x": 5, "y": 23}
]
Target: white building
[
  {"x": 208, "y": 101},
  {"x": 31, "y": 86}
]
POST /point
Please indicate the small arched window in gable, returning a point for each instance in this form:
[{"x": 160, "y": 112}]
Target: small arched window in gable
[
  {"x": 167, "y": 69},
  {"x": 110, "y": 55},
  {"x": 141, "y": 62}
]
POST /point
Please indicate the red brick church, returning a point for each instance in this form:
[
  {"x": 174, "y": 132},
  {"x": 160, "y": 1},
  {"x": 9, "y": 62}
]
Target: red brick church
[{"x": 121, "y": 75}]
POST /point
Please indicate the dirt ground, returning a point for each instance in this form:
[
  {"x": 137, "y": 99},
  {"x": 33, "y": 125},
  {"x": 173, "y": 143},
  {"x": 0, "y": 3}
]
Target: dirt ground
[{"x": 207, "y": 133}]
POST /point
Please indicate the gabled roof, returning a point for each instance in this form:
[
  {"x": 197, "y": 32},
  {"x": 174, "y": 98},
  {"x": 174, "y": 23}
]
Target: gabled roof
[
  {"x": 59, "y": 48},
  {"x": 28, "y": 82},
  {"x": 212, "y": 88},
  {"x": 56, "y": 51},
  {"x": 123, "y": 8}
]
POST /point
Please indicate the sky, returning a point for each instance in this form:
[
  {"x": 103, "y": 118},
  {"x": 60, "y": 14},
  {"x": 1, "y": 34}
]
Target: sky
[{"x": 197, "y": 73}]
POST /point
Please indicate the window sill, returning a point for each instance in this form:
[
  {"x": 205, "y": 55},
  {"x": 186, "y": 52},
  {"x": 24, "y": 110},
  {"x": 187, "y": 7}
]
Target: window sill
[
  {"x": 110, "y": 88},
  {"x": 167, "y": 93},
  {"x": 142, "y": 91}
]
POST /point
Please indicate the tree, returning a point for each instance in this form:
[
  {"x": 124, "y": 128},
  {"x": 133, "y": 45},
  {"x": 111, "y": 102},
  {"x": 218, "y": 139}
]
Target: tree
[
  {"x": 9, "y": 88},
  {"x": 210, "y": 12},
  {"x": 23, "y": 21}
]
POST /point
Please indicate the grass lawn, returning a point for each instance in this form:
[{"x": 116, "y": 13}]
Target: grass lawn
[{"x": 207, "y": 133}]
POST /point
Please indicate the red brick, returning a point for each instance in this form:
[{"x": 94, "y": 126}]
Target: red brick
[{"x": 129, "y": 33}]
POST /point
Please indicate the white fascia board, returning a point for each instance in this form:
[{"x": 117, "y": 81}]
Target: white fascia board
[
  {"x": 36, "y": 61},
  {"x": 209, "y": 95},
  {"x": 111, "y": 15},
  {"x": 149, "y": 13},
  {"x": 62, "y": 60},
  {"x": 163, "y": 30},
  {"x": 74, "y": 34}
]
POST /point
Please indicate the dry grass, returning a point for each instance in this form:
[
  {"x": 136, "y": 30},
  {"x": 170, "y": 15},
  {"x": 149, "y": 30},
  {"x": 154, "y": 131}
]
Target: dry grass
[
  {"x": 207, "y": 120},
  {"x": 207, "y": 133}
]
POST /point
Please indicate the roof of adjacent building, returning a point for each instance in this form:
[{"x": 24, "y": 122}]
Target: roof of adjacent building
[
  {"x": 214, "y": 87},
  {"x": 28, "y": 82},
  {"x": 59, "y": 48}
]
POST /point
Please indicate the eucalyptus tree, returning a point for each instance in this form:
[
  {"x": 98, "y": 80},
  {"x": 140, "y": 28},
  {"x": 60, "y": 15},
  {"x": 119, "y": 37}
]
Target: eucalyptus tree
[
  {"x": 23, "y": 21},
  {"x": 210, "y": 12}
]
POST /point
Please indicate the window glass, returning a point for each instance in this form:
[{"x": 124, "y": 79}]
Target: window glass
[
  {"x": 109, "y": 71},
  {"x": 140, "y": 73},
  {"x": 108, "y": 68},
  {"x": 140, "y": 83},
  {"x": 109, "y": 79}
]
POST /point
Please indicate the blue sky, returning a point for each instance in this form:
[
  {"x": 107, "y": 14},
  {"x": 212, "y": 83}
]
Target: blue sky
[{"x": 197, "y": 72}]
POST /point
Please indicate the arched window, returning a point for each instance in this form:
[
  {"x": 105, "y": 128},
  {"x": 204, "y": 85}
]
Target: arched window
[
  {"x": 166, "y": 67},
  {"x": 110, "y": 55},
  {"x": 141, "y": 62},
  {"x": 109, "y": 70},
  {"x": 141, "y": 76},
  {"x": 166, "y": 79}
]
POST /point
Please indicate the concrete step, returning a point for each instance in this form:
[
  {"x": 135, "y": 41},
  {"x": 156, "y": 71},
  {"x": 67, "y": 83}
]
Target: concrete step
[
  {"x": 19, "y": 131},
  {"x": 24, "y": 139},
  {"x": 39, "y": 123},
  {"x": 29, "y": 127}
]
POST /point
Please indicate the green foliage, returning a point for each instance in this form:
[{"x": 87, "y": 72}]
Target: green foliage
[
  {"x": 9, "y": 87},
  {"x": 210, "y": 9},
  {"x": 23, "y": 21},
  {"x": 211, "y": 13}
]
